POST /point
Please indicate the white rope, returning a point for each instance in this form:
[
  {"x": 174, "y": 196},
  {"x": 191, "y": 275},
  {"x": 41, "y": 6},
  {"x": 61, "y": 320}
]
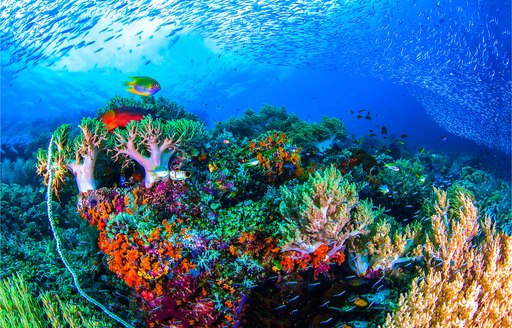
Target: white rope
[{"x": 49, "y": 199}]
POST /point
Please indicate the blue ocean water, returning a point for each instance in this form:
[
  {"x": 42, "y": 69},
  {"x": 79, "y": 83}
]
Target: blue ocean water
[
  {"x": 426, "y": 68},
  {"x": 435, "y": 75}
]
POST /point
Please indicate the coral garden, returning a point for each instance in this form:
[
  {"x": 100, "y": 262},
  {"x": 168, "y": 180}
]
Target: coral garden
[{"x": 264, "y": 221}]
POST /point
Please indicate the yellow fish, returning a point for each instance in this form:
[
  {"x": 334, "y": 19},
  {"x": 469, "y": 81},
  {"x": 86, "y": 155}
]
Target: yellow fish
[{"x": 143, "y": 86}]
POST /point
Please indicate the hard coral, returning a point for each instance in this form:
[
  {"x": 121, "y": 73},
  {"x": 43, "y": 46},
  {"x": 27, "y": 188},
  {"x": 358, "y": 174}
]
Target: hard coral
[{"x": 467, "y": 282}]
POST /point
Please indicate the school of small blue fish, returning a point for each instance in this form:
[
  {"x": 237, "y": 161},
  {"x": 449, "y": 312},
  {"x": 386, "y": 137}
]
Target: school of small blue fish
[{"x": 452, "y": 55}]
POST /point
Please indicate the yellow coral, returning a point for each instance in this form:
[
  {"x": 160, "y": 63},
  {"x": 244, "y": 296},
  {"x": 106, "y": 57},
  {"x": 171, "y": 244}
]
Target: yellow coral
[{"x": 467, "y": 283}]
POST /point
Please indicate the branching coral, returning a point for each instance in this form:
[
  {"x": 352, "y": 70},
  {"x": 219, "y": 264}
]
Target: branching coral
[
  {"x": 384, "y": 247},
  {"x": 151, "y": 143},
  {"x": 78, "y": 155},
  {"x": 467, "y": 281},
  {"x": 324, "y": 212}
]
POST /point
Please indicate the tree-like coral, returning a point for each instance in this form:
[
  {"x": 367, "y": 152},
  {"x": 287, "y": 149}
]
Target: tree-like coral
[
  {"x": 323, "y": 213},
  {"x": 78, "y": 155},
  {"x": 151, "y": 143},
  {"x": 467, "y": 281}
]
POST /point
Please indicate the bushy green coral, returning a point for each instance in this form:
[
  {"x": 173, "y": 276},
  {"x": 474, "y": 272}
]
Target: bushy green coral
[
  {"x": 158, "y": 107},
  {"x": 319, "y": 135},
  {"x": 248, "y": 216},
  {"x": 19, "y": 308},
  {"x": 251, "y": 124},
  {"x": 325, "y": 210}
]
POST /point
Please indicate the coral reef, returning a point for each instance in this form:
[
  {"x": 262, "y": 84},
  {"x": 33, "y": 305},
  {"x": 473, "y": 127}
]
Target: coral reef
[
  {"x": 277, "y": 222},
  {"x": 151, "y": 242}
]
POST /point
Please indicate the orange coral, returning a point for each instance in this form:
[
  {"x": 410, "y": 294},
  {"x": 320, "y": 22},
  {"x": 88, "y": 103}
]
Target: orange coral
[{"x": 277, "y": 157}]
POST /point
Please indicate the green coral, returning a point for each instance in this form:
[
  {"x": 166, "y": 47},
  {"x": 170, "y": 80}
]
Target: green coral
[
  {"x": 187, "y": 130},
  {"x": 325, "y": 210},
  {"x": 319, "y": 135},
  {"x": 270, "y": 118},
  {"x": 158, "y": 107},
  {"x": 248, "y": 216},
  {"x": 251, "y": 124},
  {"x": 19, "y": 308}
]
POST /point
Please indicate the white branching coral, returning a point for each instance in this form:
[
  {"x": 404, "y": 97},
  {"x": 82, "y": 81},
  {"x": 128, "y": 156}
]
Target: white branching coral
[
  {"x": 77, "y": 156},
  {"x": 151, "y": 143}
]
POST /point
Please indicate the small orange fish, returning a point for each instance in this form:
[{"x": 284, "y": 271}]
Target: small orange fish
[
  {"x": 119, "y": 117},
  {"x": 361, "y": 302}
]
